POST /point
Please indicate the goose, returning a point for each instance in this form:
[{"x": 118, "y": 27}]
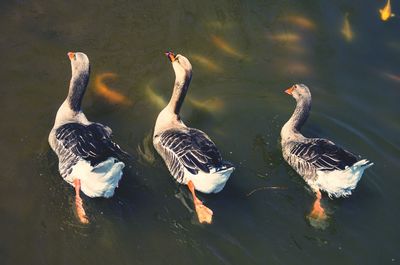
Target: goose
[
  {"x": 322, "y": 164},
  {"x": 88, "y": 159},
  {"x": 190, "y": 155}
]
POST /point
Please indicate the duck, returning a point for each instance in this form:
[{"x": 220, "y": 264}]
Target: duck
[
  {"x": 323, "y": 165},
  {"x": 191, "y": 157},
  {"x": 88, "y": 158}
]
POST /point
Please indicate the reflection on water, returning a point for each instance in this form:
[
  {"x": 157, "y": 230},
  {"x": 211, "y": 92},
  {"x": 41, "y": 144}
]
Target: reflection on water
[
  {"x": 392, "y": 77},
  {"x": 300, "y": 21},
  {"x": 209, "y": 105},
  {"x": 212, "y": 104},
  {"x": 225, "y": 47},
  {"x": 386, "y": 11},
  {"x": 346, "y": 29},
  {"x": 285, "y": 37},
  {"x": 206, "y": 63},
  {"x": 154, "y": 98},
  {"x": 239, "y": 102},
  {"x": 109, "y": 94}
]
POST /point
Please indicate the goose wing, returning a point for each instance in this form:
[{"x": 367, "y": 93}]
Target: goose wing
[
  {"x": 322, "y": 154},
  {"x": 191, "y": 149},
  {"x": 91, "y": 142}
]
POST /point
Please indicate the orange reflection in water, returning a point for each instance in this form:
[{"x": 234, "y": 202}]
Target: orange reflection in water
[
  {"x": 288, "y": 37},
  {"x": 300, "y": 21},
  {"x": 105, "y": 92},
  {"x": 225, "y": 47},
  {"x": 386, "y": 12},
  {"x": 206, "y": 63},
  {"x": 392, "y": 77},
  {"x": 346, "y": 29},
  {"x": 212, "y": 104}
]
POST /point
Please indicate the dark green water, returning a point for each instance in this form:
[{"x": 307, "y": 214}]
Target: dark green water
[{"x": 355, "y": 104}]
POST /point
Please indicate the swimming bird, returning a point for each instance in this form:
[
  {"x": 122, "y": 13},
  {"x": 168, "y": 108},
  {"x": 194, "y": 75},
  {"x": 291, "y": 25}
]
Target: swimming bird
[
  {"x": 88, "y": 159},
  {"x": 189, "y": 154},
  {"x": 322, "y": 164}
]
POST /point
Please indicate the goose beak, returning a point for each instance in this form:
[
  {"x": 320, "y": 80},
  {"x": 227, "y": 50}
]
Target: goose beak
[
  {"x": 71, "y": 55},
  {"x": 289, "y": 90},
  {"x": 171, "y": 56}
]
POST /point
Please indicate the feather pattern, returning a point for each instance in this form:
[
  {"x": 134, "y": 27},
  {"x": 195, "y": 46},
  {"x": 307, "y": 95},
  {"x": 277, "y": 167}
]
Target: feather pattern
[
  {"x": 322, "y": 154},
  {"x": 316, "y": 154},
  {"x": 190, "y": 149},
  {"x": 91, "y": 142}
]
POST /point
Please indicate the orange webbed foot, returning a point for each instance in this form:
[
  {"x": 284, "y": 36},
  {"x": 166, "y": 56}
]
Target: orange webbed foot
[
  {"x": 204, "y": 214},
  {"x": 80, "y": 211},
  {"x": 318, "y": 212}
]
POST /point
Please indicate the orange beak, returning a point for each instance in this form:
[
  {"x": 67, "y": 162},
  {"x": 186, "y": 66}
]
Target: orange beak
[
  {"x": 289, "y": 90},
  {"x": 171, "y": 56},
  {"x": 71, "y": 55}
]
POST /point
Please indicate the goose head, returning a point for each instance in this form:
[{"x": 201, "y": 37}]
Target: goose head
[
  {"x": 79, "y": 63},
  {"x": 181, "y": 65},
  {"x": 300, "y": 92}
]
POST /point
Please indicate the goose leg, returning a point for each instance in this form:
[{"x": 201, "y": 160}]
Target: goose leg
[
  {"x": 79, "y": 204},
  {"x": 318, "y": 212},
  {"x": 203, "y": 213}
]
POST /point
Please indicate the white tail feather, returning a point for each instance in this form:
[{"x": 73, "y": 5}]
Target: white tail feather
[
  {"x": 98, "y": 181},
  {"x": 340, "y": 183},
  {"x": 212, "y": 182}
]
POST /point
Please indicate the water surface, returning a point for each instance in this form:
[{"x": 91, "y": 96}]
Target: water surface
[{"x": 150, "y": 219}]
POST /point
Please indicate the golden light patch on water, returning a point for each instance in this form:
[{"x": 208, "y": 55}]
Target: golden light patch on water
[
  {"x": 207, "y": 63},
  {"x": 226, "y": 47},
  {"x": 386, "y": 11},
  {"x": 155, "y": 98},
  {"x": 300, "y": 21},
  {"x": 286, "y": 37},
  {"x": 346, "y": 30},
  {"x": 110, "y": 95},
  {"x": 212, "y": 104}
]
